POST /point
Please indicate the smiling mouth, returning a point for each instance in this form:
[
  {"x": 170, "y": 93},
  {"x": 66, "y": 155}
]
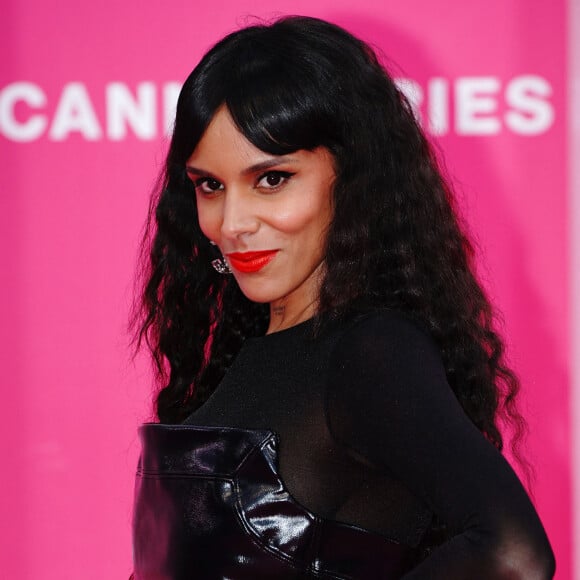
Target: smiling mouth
[{"x": 251, "y": 261}]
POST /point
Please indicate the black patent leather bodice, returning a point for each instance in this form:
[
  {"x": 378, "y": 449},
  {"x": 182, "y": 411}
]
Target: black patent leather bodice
[{"x": 210, "y": 505}]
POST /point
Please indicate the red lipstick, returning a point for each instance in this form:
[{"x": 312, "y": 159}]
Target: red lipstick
[{"x": 251, "y": 261}]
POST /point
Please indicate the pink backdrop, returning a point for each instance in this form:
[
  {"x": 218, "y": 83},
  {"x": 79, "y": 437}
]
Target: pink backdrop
[{"x": 85, "y": 92}]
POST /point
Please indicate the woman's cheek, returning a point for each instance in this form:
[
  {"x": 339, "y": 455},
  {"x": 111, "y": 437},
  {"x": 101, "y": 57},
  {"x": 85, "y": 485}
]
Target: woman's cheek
[
  {"x": 293, "y": 217},
  {"x": 209, "y": 220}
]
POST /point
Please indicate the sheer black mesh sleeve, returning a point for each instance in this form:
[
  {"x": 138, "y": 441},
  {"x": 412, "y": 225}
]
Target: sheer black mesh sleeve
[{"x": 388, "y": 402}]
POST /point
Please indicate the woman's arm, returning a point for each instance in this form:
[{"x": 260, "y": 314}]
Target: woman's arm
[{"x": 387, "y": 378}]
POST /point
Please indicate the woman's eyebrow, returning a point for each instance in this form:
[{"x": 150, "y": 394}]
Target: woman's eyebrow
[
  {"x": 268, "y": 163},
  {"x": 190, "y": 170}
]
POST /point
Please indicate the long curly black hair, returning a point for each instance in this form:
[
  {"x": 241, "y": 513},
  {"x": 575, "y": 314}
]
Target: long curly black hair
[{"x": 395, "y": 239}]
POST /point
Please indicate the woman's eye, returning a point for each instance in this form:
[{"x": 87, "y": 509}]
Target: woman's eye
[
  {"x": 273, "y": 179},
  {"x": 208, "y": 185}
]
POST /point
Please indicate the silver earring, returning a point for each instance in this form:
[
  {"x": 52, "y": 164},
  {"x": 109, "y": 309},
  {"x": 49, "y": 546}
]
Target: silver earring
[{"x": 219, "y": 264}]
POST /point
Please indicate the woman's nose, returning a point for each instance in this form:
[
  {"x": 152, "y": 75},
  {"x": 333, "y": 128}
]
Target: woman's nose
[{"x": 239, "y": 214}]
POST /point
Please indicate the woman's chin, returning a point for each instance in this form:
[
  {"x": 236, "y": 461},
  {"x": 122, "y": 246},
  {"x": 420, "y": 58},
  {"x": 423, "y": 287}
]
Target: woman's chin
[{"x": 258, "y": 293}]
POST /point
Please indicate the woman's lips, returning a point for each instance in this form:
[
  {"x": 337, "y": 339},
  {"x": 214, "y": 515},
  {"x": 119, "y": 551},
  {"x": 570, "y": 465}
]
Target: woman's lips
[{"x": 251, "y": 261}]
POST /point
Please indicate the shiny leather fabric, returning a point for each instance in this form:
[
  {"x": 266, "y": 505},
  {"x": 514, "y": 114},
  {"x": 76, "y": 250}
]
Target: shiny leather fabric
[{"x": 210, "y": 505}]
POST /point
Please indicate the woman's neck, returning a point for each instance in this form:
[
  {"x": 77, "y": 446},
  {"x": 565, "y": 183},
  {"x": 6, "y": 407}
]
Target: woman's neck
[{"x": 284, "y": 315}]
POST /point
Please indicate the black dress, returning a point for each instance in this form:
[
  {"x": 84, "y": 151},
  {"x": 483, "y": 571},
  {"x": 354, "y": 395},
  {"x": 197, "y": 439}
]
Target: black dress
[{"x": 331, "y": 457}]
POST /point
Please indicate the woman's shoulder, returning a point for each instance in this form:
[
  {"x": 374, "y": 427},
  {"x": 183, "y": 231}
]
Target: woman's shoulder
[
  {"x": 388, "y": 355},
  {"x": 372, "y": 328}
]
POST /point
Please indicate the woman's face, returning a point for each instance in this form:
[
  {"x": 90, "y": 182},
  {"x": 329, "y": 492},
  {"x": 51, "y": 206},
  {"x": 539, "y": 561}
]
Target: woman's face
[{"x": 267, "y": 214}]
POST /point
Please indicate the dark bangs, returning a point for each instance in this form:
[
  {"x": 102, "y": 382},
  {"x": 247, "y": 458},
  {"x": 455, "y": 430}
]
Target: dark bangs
[{"x": 280, "y": 97}]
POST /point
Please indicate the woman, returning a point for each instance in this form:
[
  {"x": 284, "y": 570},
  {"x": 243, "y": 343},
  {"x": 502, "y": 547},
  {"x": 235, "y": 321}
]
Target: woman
[{"x": 334, "y": 382}]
